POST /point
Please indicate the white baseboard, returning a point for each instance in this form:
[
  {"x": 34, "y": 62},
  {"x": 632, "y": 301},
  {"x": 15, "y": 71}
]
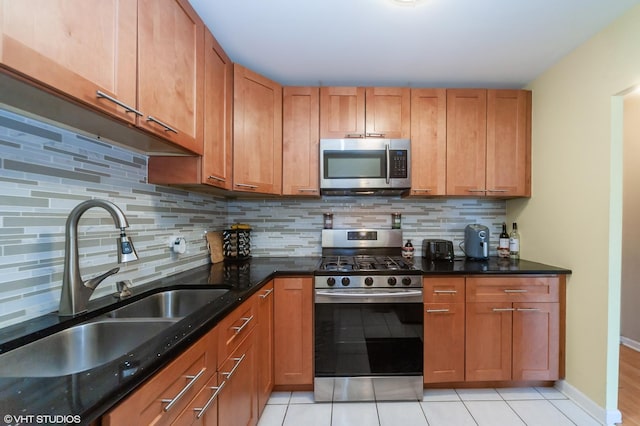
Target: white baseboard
[
  {"x": 635, "y": 345},
  {"x": 606, "y": 417}
]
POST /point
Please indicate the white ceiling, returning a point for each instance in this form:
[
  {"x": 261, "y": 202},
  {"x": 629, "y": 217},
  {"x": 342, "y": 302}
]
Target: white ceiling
[{"x": 438, "y": 43}]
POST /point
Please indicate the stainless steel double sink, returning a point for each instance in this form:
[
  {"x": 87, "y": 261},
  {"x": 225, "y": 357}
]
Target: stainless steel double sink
[{"x": 106, "y": 338}]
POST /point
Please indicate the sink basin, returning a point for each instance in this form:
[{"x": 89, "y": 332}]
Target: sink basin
[
  {"x": 169, "y": 304},
  {"x": 79, "y": 348}
]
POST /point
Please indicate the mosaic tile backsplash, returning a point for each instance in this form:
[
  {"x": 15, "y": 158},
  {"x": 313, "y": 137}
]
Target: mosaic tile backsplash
[{"x": 45, "y": 171}]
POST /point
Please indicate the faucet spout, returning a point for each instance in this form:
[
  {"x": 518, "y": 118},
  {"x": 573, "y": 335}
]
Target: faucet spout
[{"x": 75, "y": 291}]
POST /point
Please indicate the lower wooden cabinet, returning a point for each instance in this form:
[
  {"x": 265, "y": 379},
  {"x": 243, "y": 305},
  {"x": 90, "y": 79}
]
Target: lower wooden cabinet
[
  {"x": 164, "y": 397},
  {"x": 444, "y": 342},
  {"x": 203, "y": 410},
  {"x": 293, "y": 333},
  {"x": 265, "y": 344}
]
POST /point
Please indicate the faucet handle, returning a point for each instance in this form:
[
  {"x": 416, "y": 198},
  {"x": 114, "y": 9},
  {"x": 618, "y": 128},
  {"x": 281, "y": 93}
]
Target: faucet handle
[{"x": 124, "y": 289}]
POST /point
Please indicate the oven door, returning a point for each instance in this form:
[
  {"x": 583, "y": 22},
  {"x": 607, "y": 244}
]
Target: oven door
[{"x": 368, "y": 344}]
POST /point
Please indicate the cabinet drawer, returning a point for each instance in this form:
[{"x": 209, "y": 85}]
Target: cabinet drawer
[
  {"x": 512, "y": 289},
  {"x": 161, "y": 399},
  {"x": 203, "y": 410},
  {"x": 234, "y": 328},
  {"x": 443, "y": 290}
]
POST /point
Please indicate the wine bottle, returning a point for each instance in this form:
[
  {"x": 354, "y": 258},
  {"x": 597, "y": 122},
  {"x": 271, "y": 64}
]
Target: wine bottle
[
  {"x": 514, "y": 243},
  {"x": 503, "y": 242}
]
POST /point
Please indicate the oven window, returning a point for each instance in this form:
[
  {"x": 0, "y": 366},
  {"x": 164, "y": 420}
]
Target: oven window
[
  {"x": 354, "y": 164},
  {"x": 368, "y": 339}
]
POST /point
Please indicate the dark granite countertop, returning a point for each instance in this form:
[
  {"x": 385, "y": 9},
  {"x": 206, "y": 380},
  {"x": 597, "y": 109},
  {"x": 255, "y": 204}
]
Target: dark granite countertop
[{"x": 91, "y": 393}]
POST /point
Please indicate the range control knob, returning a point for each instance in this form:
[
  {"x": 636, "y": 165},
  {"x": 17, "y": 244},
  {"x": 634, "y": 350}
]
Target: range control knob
[
  {"x": 345, "y": 281},
  {"x": 391, "y": 281},
  {"x": 406, "y": 281},
  {"x": 331, "y": 281},
  {"x": 368, "y": 281}
]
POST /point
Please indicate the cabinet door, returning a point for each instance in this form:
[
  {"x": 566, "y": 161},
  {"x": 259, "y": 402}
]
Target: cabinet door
[
  {"x": 342, "y": 112},
  {"x": 238, "y": 402},
  {"x": 257, "y": 133},
  {"x": 218, "y": 115},
  {"x": 428, "y": 141},
  {"x": 300, "y": 140},
  {"x": 536, "y": 341},
  {"x": 265, "y": 345},
  {"x": 444, "y": 342},
  {"x": 508, "y": 143},
  {"x": 170, "y": 71},
  {"x": 388, "y": 112},
  {"x": 77, "y": 47},
  {"x": 293, "y": 325},
  {"x": 488, "y": 341},
  {"x": 466, "y": 141}
]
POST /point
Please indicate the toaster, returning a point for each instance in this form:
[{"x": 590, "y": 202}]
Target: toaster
[{"x": 437, "y": 249}]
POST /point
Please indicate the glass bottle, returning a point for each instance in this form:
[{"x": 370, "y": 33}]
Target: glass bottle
[
  {"x": 407, "y": 250},
  {"x": 514, "y": 243},
  {"x": 503, "y": 242}
]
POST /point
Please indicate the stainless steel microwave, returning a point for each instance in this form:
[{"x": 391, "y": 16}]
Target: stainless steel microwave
[{"x": 365, "y": 166}]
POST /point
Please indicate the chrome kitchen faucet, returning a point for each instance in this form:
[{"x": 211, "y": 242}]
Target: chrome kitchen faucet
[{"x": 75, "y": 291}]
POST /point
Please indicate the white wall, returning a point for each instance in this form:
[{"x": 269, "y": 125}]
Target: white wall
[
  {"x": 573, "y": 218},
  {"x": 630, "y": 318}
]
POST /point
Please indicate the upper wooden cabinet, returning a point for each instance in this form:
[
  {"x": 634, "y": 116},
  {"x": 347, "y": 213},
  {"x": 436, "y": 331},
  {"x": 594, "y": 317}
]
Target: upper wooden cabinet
[
  {"x": 218, "y": 115},
  {"x": 257, "y": 133},
  {"x": 138, "y": 61},
  {"x": 488, "y": 142},
  {"x": 170, "y": 71},
  {"x": 358, "y": 112},
  {"x": 77, "y": 47},
  {"x": 300, "y": 140},
  {"x": 428, "y": 142}
]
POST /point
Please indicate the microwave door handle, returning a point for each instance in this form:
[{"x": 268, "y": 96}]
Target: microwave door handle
[{"x": 388, "y": 153}]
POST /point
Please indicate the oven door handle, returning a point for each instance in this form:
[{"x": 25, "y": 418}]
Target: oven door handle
[{"x": 364, "y": 295}]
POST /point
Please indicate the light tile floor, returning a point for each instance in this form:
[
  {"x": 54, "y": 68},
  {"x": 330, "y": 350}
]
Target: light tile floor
[{"x": 439, "y": 407}]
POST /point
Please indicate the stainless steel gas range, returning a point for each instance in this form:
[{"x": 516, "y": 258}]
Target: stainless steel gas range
[{"x": 368, "y": 318}]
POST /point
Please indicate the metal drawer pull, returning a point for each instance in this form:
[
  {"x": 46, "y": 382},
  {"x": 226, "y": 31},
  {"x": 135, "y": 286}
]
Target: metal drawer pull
[
  {"x": 217, "y": 178},
  {"x": 266, "y": 293},
  {"x": 119, "y": 103},
  {"x": 503, "y": 309},
  {"x": 354, "y": 135},
  {"x": 436, "y": 311},
  {"x": 217, "y": 390},
  {"x": 422, "y": 190},
  {"x": 235, "y": 367},
  {"x": 244, "y": 185},
  {"x": 167, "y": 128},
  {"x": 445, "y": 291},
  {"x": 307, "y": 190},
  {"x": 497, "y": 190},
  {"x": 528, "y": 309},
  {"x": 514, "y": 291},
  {"x": 375, "y": 135},
  {"x": 476, "y": 190},
  {"x": 192, "y": 381},
  {"x": 244, "y": 324}
]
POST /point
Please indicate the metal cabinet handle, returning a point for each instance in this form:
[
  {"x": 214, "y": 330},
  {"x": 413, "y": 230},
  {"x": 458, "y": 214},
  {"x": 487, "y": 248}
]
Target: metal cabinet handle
[
  {"x": 244, "y": 324},
  {"x": 192, "y": 380},
  {"x": 235, "y": 367},
  {"x": 506, "y": 290},
  {"x": 528, "y": 309},
  {"x": 167, "y": 128},
  {"x": 445, "y": 291},
  {"x": 266, "y": 293},
  {"x": 375, "y": 135},
  {"x": 216, "y": 390},
  {"x": 476, "y": 190},
  {"x": 435, "y": 311},
  {"x": 127, "y": 108},
  {"x": 308, "y": 190},
  {"x": 244, "y": 185},
  {"x": 497, "y": 190},
  {"x": 354, "y": 135},
  {"x": 503, "y": 309},
  {"x": 422, "y": 190},
  {"x": 216, "y": 178}
]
